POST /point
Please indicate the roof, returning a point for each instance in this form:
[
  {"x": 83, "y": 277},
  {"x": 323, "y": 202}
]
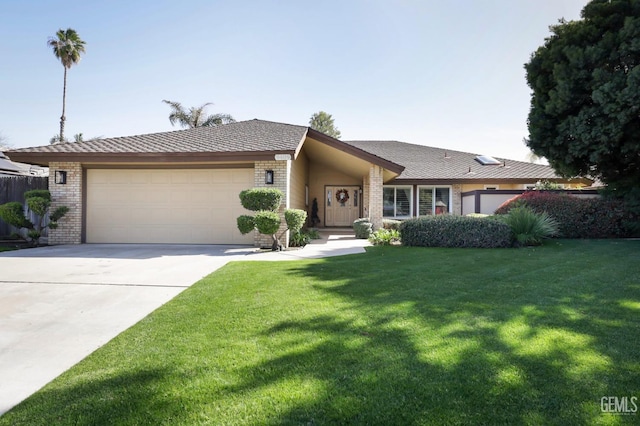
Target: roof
[
  {"x": 439, "y": 164},
  {"x": 254, "y": 140},
  {"x": 241, "y": 137}
]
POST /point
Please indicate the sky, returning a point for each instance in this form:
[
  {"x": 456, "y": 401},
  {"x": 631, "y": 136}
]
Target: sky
[{"x": 447, "y": 73}]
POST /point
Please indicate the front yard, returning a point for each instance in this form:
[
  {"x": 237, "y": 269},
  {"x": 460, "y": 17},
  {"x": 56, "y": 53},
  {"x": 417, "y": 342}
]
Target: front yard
[{"x": 395, "y": 336}]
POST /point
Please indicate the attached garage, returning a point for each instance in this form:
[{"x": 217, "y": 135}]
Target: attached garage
[{"x": 173, "y": 206}]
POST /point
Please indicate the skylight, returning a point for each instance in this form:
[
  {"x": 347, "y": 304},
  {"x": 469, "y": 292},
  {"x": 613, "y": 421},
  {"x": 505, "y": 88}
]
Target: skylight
[{"x": 486, "y": 160}]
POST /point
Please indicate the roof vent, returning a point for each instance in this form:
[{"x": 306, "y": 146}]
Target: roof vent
[{"x": 486, "y": 160}]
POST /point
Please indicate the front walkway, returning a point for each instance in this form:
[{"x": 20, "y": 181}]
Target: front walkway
[{"x": 334, "y": 242}]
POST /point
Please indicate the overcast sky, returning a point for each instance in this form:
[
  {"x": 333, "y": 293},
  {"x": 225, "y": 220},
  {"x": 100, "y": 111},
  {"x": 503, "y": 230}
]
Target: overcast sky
[{"x": 440, "y": 73}]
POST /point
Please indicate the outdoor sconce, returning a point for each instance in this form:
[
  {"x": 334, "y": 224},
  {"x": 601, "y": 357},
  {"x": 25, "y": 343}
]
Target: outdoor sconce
[
  {"x": 268, "y": 177},
  {"x": 61, "y": 177}
]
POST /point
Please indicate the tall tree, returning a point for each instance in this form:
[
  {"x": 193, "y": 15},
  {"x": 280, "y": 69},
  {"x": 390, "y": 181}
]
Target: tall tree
[
  {"x": 323, "y": 122},
  {"x": 67, "y": 47},
  {"x": 195, "y": 116},
  {"x": 585, "y": 105}
]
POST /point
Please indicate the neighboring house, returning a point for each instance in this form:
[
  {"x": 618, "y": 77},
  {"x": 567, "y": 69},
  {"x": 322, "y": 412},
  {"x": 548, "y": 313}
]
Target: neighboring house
[
  {"x": 10, "y": 168},
  {"x": 182, "y": 186}
]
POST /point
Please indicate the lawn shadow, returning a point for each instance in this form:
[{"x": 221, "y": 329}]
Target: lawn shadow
[
  {"x": 467, "y": 349},
  {"x": 127, "y": 398}
]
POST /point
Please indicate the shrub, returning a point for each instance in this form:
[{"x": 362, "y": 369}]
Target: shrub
[
  {"x": 577, "y": 217},
  {"x": 391, "y": 224},
  {"x": 299, "y": 239},
  {"x": 313, "y": 234},
  {"x": 267, "y": 222},
  {"x": 38, "y": 201},
  {"x": 385, "y": 237},
  {"x": 246, "y": 224},
  {"x": 13, "y": 214},
  {"x": 38, "y": 193},
  {"x": 259, "y": 199},
  {"x": 455, "y": 231},
  {"x": 314, "y": 212},
  {"x": 266, "y": 201},
  {"x": 362, "y": 228},
  {"x": 295, "y": 219},
  {"x": 529, "y": 227}
]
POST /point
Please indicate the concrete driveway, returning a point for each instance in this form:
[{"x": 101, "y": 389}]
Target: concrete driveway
[{"x": 58, "y": 304}]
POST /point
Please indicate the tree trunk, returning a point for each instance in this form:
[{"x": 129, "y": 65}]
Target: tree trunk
[{"x": 64, "y": 104}]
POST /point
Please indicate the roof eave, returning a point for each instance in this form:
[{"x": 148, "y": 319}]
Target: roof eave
[
  {"x": 44, "y": 158},
  {"x": 452, "y": 181},
  {"x": 357, "y": 152}
]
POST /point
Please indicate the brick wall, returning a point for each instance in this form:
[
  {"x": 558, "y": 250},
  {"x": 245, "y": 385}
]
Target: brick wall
[
  {"x": 457, "y": 199},
  {"x": 281, "y": 181},
  {"x": 69, "y": 229},
  {"x": 365, "y": 196},
  {"x": 375, "y": 196}
]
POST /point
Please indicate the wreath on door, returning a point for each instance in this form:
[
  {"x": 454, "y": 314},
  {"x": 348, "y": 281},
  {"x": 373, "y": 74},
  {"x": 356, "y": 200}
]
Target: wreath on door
[{"x": 342, "y": 195}]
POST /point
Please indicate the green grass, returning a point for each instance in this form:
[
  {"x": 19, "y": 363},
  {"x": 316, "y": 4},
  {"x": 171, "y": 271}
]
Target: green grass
[
  {"x": 6, "y": 248},
  {"x": 398, "y": 335}
]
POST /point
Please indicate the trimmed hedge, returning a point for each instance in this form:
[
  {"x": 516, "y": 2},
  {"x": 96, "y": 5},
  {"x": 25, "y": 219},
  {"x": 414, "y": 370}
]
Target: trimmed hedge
[
  {"x": 391, "y": 224},
  {"x": 246, "y": 224},
  {"x": 257, "y": 199},
  {"x": 577, "y": 217},
  {"x": 455, "y": 231},
  {"x": 267, "y": 222},
  {"x": 13, "y": 214},
  {"x": 362, "y": 228},
  {"x": 295, "y": 219}
]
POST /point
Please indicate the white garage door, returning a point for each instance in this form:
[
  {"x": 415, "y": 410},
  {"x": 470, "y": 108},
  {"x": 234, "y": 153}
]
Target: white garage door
[{"x": 166, "y": 206}]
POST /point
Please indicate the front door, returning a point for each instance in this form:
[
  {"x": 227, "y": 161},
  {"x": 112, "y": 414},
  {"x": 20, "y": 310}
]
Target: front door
[{"x": 342, "y": 205}]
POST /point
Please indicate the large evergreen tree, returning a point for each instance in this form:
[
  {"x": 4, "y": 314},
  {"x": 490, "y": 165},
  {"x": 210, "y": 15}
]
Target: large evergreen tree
[
  {"x": 585, "y": 106},
  {"x": 67, "y": 47},
  {"x": 323, "y": 122}
]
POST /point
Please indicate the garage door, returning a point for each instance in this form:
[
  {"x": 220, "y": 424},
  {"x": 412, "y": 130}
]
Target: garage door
[{"x": 166, "y": 206}]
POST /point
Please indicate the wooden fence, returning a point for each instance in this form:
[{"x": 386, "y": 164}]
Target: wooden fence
[{"x": 12, "y": 188}]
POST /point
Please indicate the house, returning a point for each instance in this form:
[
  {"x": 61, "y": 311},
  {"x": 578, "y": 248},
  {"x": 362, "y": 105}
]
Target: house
[
  {"x": 182, "y": 186},
  {"x": 11, "y": 168}
]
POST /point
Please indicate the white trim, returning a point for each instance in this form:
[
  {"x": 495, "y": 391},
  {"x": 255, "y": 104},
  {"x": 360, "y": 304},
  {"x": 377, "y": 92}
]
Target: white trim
[
  {"x": 433, "y": 196},
  {"x": 395, "y": 198}
]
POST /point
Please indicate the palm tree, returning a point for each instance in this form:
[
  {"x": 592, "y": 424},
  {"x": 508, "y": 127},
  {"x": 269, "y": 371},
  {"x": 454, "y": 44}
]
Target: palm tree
[
  {"x": 195, "y": 117},
  {"x": 67, "y": 47},
  {"x": 56, "y": 139}
]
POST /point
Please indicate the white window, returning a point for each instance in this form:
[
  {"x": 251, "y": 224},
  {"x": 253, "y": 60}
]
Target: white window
[
  {"x": 397, "y": 201},
  {"x": 434, "y": 200}
]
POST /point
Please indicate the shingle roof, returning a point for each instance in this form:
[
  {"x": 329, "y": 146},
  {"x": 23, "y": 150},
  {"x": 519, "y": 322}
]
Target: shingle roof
[
  {"x": 243, "y": 136},
  {"x": 258, "y": 136},
  {"x": 425, "y": 162}
]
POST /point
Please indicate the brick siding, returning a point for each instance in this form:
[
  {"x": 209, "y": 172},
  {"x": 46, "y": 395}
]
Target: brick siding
[{"x": 69, "y": 230}]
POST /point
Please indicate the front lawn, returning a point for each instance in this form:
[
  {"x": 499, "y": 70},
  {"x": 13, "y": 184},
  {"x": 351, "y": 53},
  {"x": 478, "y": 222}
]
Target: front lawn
[{"x": 398, "y": 335}]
